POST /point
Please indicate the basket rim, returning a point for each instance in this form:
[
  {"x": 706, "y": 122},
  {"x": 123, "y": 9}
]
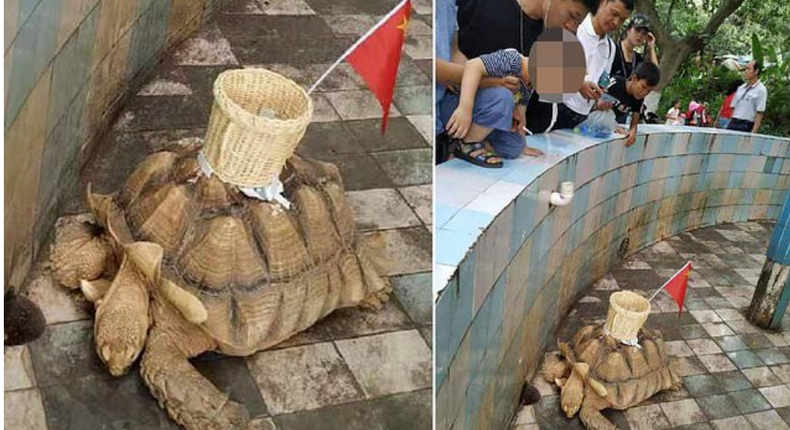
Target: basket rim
[
  {"x": 250, "y": 120},
  {"x": 627, "y": 312}
]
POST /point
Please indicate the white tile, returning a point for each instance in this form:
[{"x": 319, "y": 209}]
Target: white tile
[
  {"x": 388, "y": 363},
  {"x": 285, "y": 7},
  {"x": 494, "y": 199},
  {"x": 380, "y": 208},
  {"x": 206, "y": 48},
  {"x": 18, "y": 369},
  {"x": 424, "y": 124},
  {"x": 24, "y": 410}
]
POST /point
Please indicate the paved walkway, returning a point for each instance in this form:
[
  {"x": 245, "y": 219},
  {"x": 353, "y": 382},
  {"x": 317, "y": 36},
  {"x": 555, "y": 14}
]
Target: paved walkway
[
  {"x": 735, "y": 374},
  {"x": 355, "y": 370}
]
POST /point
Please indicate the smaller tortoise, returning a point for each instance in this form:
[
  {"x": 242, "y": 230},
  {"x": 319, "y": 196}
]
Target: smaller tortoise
[{"x": 600, "y": 372}]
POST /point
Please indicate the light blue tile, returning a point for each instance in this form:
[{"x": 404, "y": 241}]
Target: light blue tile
[
  {"x": 451, "y": 246},
  {"x": 446, "y": 307},
  {"x": 769, "y": 164},
  {"x": 741, "y": 213},
  {"x": 735, "y": 179},
  {"x": 660, "y": 145},
  {"x": 613, "y": 184},
  {"x": 639, "y": 195},
  {"x": 704, "y": 181},
  {"x": 633, "y": 153},
  {"x": 523, "y": 218},
  {"x": 31, "y": 52},
  {"x": 727, "y": 143},
  {"x": 526, "y": 173},
  {"x": 747, "y": 196},
  {"x": 71, "y": 66},
  {"x": 443, "y": 213},
  {"x": 479, "y": 331},
  {"x": 148, "y": 35},
  {"x": 676, "y": 165},
  {"x": 469, "y": 221},
  {"x": 496, "y": 314},
  {"x": 541, "y": 239},
  {"x": 644, "y": 171},
  {"x": 602, "y": 160},
  {"x": 709, "y": 163},
  {"x": 778, "y": 165},
  {"x": 769, "y": 180},
  {"x": 761, "y": 145},
  {"x": 740, "y": 164},
  {"x": 698, "y": 143},
  {"x": 671, "y": 186},
  {"x": 710, "y": 216},
  {"x": 715, "y": 197},
  {"x": 579, "y": 203}
]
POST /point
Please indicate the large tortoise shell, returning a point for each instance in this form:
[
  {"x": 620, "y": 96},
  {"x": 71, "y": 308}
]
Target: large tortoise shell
[
  {"x": 262, "y": 272},
  {"x": 630, "y": 374}
]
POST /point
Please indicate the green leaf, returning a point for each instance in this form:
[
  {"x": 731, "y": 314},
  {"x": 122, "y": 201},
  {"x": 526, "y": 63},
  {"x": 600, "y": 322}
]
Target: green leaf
[{"x": 757, "y": 48}]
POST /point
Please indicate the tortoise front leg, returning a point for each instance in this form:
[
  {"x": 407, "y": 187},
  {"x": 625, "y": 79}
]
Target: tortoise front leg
[
  {"x": 591, "y": 411},
  {"x": 189, "y": 398}
]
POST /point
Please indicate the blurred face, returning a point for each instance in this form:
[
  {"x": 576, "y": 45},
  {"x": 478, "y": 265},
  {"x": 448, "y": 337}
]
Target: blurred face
[
  {"x": 611, "y": 15},
  {"x": 566, "y": 14},
  {"x": 640, "y": 88},
  {"x": 637, "y": 36},
  {"x": 749, "y": 73}
]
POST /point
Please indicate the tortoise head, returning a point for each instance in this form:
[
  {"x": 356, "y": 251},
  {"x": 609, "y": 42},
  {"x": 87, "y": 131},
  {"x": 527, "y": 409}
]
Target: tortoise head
[{"x": 122, "y": 316}]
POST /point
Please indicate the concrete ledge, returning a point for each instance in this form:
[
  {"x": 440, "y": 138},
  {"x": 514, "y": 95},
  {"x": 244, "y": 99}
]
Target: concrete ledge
[{"x": 509, "y": 267}]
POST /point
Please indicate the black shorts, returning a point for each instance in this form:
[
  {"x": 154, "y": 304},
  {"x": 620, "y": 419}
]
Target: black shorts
[{"x": 540, "y": 115}]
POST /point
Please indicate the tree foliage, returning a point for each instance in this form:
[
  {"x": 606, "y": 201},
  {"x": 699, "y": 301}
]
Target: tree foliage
[{"x": 690, "y": 34}]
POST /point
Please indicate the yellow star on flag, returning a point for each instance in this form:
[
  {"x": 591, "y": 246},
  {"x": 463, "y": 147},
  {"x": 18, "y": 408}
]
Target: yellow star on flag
[{"x": 404, "y": 25}]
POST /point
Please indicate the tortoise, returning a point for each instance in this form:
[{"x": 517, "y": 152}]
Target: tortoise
[
  {"x": 178, "y": 263},
  {"x": 599, "y": 372}
]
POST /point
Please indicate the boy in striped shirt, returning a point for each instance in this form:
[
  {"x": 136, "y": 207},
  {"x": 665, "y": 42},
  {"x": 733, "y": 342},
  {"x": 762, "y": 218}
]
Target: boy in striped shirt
[{"x": 505, "y": 62}]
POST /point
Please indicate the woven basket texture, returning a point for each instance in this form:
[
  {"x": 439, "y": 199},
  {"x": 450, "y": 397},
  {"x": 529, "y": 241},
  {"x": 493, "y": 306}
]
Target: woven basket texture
[
  {"x": 257, "y": 120},
  {"x": 628, "y": 311}
]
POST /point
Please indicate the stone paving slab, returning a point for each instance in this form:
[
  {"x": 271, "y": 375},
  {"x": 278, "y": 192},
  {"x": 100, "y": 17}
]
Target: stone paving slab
[
  {"x": 357, "y": 369},
  {"x": 735, "y": 375}
]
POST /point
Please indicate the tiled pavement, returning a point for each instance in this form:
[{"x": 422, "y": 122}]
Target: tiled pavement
[
  {"x": 356, "y": 369},
  {"x": 736, "y": 376}
]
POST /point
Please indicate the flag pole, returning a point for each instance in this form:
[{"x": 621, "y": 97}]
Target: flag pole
[
  {"x": 667, "y": 282},
  {"x": 356, "y": 44}
]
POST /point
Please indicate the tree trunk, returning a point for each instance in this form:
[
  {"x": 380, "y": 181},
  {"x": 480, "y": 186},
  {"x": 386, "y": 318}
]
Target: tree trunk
[
  {"x": 672, "y": 50},
  {"x": 672, "y": 57}
]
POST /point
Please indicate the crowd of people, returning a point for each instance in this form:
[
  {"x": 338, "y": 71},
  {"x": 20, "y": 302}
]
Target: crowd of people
[
  {"x": 742, "y": 108},
  {"x": 485, "y": 101}
]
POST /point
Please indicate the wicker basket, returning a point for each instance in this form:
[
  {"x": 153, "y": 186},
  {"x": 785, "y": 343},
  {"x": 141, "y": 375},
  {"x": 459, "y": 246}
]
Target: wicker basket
[
  {"x": 627, "y": 313},
  {"x": 257, "y": 119}
]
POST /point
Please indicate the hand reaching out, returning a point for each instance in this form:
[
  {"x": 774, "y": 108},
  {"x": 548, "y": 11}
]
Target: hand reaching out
[{"x": 459, "y": 123}]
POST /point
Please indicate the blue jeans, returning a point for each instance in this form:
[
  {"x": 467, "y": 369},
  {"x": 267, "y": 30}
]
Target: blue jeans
[{"x": 493, "y": 108}]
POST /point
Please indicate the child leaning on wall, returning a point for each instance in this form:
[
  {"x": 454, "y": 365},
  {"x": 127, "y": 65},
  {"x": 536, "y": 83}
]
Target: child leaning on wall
[
  {"x": 630, "y": 94},
  {"x": 505, "y": 62}
]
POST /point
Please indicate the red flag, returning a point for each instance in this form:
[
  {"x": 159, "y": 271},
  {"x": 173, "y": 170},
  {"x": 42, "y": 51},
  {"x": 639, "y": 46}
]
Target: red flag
[
  {"x": 677, "y": 284},
  {"x": 377, "y": 55}
]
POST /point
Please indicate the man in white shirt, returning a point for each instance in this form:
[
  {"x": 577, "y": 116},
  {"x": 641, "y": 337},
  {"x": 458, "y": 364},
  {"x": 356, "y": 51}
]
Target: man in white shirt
[
  {"x": 749, "y": 102},
  {"x": 599, "y": 51}
]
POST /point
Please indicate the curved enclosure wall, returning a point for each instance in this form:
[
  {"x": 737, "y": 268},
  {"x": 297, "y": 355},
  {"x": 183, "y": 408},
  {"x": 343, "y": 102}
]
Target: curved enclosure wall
[
  {"x": 68, "y": 65},
  {"x": 512, "y": 267}
]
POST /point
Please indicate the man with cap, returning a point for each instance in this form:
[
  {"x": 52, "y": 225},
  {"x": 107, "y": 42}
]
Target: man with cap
[{"x": 636, "y": 34}]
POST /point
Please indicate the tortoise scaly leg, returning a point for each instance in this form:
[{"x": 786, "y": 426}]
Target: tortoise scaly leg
[
  {"x": 591, "y": 411},
  {"x": 189, "y": 398},
  {"x": 122, "y": 318},
  {"x": 573, "y": 393}
]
